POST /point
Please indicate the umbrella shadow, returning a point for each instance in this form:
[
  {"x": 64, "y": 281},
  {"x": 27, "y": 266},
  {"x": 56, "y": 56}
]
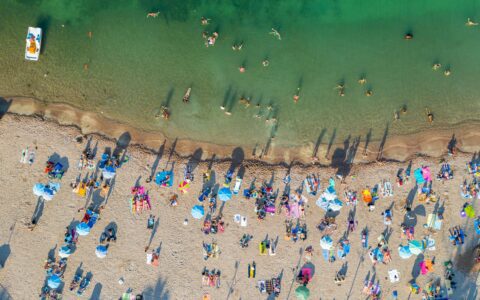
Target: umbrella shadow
[
  {"x": 238, "y": 156},
  {"x": 122, "y": 144},
  {"x": 195, "y": 159},
  {"x": 38, "y": 212},
  {"x": 4, "y": 106},
  {"x": 416, "y": 266}
]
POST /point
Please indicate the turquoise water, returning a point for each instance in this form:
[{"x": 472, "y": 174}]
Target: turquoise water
[{"x": 137, "y": 64}]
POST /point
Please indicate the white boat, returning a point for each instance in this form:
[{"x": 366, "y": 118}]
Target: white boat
[{"x": 34, "y": 42}]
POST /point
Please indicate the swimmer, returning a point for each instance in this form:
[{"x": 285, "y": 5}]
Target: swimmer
[
  {"x": 205, "y": 34},
  {"x": 153, "y": 14},
  {"x": 340, "y": 86},
  {"x": 85, "y": 67},
  {"x": 447, "y": 72},
  {"x": 403, "y": 110},
  {"x": 408, "y": 36},
  {"x": 436, "y": 66},
  {"x": 362, "y": 80},
  {"x": 471, "y": 23},
  {"x": 368, "y": 93},
  {"x": 236, "y": 47},
  {"x": 222, "y": 107},
  {"x": 242, "y": 69},
  {"x": 90, "y": 34},
  {"x": 265, "y": 63},
  {"x": 270, "y": 107},
  {"x": 341, "y": 92},
  {"x": 275, "y": 33},
  {"x": 258, "y": 105},
  {"x": 204, "y": 21},
  {"x": 429, "y": 115},
  {"x": 257, "y": 116},
  {"x": 228, "y": 113}
]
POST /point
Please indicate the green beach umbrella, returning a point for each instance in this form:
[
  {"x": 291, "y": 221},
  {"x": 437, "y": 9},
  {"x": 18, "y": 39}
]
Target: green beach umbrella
[{"x": 302, "y": 293}]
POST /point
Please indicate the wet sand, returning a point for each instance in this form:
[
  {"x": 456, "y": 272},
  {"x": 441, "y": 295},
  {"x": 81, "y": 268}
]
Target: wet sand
[
  {"x": 179, "y": 274},
  {"x": 431, "y": 143}
]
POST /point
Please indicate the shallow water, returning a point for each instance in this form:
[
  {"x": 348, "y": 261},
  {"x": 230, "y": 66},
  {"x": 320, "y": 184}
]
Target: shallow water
[{"x": 136, "y": 64}]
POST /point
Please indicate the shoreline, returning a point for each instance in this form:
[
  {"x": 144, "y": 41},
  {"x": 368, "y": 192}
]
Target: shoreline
[{"x": 432, "y": 143}]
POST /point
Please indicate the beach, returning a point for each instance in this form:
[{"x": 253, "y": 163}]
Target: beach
[{"x": 179, "y": 273}]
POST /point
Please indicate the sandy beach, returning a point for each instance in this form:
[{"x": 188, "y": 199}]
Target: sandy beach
[{"x": 179, "y": 274}]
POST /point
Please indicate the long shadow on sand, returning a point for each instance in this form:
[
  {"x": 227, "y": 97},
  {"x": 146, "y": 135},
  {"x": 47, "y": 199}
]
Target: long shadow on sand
[
  {"x": 156, "y": 292},
  {"x": 4, "y": 106}
]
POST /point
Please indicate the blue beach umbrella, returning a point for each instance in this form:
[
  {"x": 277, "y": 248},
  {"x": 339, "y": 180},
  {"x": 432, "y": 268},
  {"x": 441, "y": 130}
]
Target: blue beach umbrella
[
  {"x": 326, "y": 242},
  {"x": 404, "y": 252},
  {"x": 38, "y": 189},
  {"x": 101, "y": 251},
  {"x": 54, "y": 282},
  {"x": 109, "y": 172},
  {"x": 64, "y": 251},
  {"x": 83, "y": 229},
  {"x": 416, "y": 247},
  {"x": 198, "y": 212},
  {"x": 225, "y": 194}
]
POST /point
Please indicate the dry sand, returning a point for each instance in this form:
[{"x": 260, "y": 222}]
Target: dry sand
[{"x": 181, "y": 262}]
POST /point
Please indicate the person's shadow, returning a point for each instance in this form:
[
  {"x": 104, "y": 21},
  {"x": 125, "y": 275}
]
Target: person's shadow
[
  {"x": 38, "y": 212},
  {"x": 4, "y": 106}
]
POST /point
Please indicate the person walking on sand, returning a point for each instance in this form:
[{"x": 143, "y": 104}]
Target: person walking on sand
[
  {"x": 429, "y": 115},
  {"x": 470, "y": 23}
]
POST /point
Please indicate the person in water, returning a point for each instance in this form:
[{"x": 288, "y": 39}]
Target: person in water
[
  {"x": 369, "y": 93},
  {"x": 436, "y": 66},
  {"x": 265, "y": 63},
  {"x": 408, "y": 36},
  {"x": 296, "y": 97},
  {"x": 275, "y": 33},
  {"x": 244, "y": 101},
  {"x": 204, "y": 21},
  {"x": 403, "y": 110},
  {"x": 429, "y": 115},
  {"x": 362, "y": 80},
  {"x": 447, "y": 72},
  {"x": 237, "y": 47},
  {"x": 470, "y": 23},
  {"x": 242, "y": 69}
]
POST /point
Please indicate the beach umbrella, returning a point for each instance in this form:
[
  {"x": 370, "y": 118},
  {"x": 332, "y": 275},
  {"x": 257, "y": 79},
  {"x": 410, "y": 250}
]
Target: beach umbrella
[
  {"x": 184, "y": 186},
  {"x": 38, "y": 189},
  {"x": 302, "y": 293},
  {"x": 101, "y": 251},
  {"x": 416, "y": 247},
  {"x": 54, "y": 282},
  {"x": 108, "y": 172},
  {"x": 335, "y": 205},
  {"x": 404, "y": 252},
  {"x": 469, "y": 211},
  {"x": 64, "y": 251},
  {"x": 83, "y": 229},
  {"x": 225, "y": 194},
  {"x": 322, "y": 203},
  {"x": 48, "y": 193},
  {"x": 326, "y": 242},
  {"x": 198, "y": 212}
]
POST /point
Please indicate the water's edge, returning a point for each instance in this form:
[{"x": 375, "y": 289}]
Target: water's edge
[{"x": 431, "y": 143}]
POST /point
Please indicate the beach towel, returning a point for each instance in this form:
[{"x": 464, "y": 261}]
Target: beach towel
[
  {"x": 418, "y": 176},
  {"x": 294, "y": 210},
  {"x": 149, "y": 258},
  {"x": 367, "y": 196},
  {"x": 164, "y": 178},
  {"x": 427, "y": 176},
  {"x": 243, "y": 221}
]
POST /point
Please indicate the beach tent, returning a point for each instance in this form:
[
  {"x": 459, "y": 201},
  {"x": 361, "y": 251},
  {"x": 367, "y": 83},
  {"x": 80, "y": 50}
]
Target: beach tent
[
  {"x": 164, "y": 178},
  {"x": 64, "y": 251},
  {"x": 101, "y": 251},
  {"x": 326, "y": 242},
  {"x": 198, "y": 211},
  {"x": 83, "y": 229},
  {"x": 225, "y": 194},
  {"x": 404, "y": 252},
  {"x": 302, "y": 293},
  {"x": 416, "y": 247},
  {"x": 54, "y": 282}
]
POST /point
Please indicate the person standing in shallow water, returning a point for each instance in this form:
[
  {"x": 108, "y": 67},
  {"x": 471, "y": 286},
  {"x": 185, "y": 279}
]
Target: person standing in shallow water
[{"x": 296, "y": 97}]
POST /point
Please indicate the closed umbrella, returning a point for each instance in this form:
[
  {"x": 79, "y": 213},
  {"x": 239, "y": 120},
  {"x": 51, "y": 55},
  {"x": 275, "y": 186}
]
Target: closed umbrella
[
  {"x": 302, "y": 293},
  {"x": 83, "y": 229},
  {"x": 198, "y": 211},
  {"x": 225, "y": 194},
  {"x": 64, "y": 251},
  {"x": 404, "y": 252},
  {"x": 326, "y": 242},
  {"x": 54, "y": 282},
  {"x": 101, "y": 251},
  {"x": 416, "y": 247}
]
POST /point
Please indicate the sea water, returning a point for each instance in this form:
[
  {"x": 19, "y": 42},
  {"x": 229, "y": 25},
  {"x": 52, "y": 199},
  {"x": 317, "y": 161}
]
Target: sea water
[{"x": 131, "y": 65}]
